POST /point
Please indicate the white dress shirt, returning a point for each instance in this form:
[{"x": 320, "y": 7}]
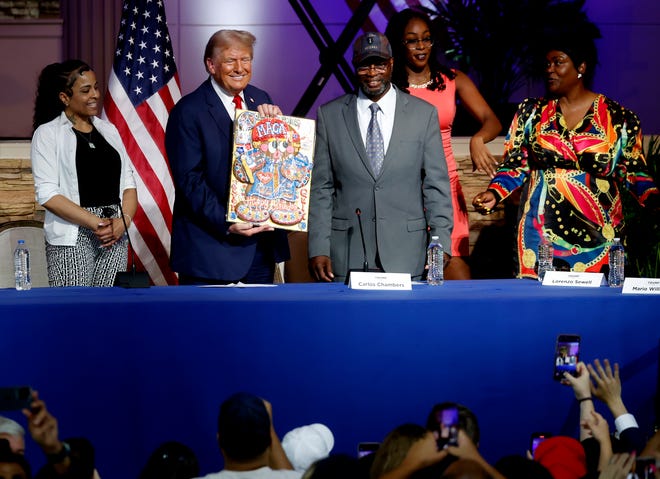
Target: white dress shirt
[
  {"x": 385, "y": 115},
  {"x": 227, "y": 99},
  {"x": 624, "y": 422}
]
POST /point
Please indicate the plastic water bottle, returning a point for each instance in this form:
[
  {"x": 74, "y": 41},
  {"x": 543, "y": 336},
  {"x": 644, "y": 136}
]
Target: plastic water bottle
[
  {"x": 617, "y": 264},
  {"x": 22, "y": 267},
  {"x": 545, "y": 256},
  {"x": 435, "y": 260}
]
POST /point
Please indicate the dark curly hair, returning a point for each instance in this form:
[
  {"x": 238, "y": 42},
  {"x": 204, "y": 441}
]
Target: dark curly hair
[
  {"x": 171, "y": 460},
  {"x": 394, "y": 32},
  {"x": 567, "y": 29},
  {"x": 581, "y": 48},
  {"x": 54, "y": 79}
]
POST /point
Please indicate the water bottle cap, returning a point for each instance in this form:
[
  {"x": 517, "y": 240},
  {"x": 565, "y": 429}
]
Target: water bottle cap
[
  {"x": 21, "y": 241},
  {"x": 617, "y": 239},
  {"x": 435, "y": 237}
]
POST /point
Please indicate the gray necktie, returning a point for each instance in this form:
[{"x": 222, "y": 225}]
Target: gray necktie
[{"x": 375, "y": 144}]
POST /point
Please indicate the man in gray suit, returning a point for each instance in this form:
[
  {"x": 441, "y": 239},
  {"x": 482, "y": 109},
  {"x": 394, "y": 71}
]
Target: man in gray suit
[{"x": 384, "y": 164}]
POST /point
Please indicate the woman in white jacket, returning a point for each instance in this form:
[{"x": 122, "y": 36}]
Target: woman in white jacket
[{"x": 82, "y": 177}]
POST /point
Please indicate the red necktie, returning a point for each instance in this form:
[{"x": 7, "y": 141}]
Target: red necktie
[{"x": 238, "y": 102}]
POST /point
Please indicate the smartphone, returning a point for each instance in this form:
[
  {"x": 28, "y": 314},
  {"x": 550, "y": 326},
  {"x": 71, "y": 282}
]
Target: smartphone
[
  {"x": 448, "y": 423},
  {"x": 366, "y": 448},
  {"x": 567, "y": 355},
  {"x": 536, "y": 439},
  {"x": 14, "y": 398}
]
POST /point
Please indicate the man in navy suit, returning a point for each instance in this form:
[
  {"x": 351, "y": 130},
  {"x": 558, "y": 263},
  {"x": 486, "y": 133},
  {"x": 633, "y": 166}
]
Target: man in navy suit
[{"x": 206, "y": 249}]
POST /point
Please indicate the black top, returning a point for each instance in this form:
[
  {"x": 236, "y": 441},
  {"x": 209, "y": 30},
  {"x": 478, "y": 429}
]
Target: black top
[{"x": 99, "y": 169}]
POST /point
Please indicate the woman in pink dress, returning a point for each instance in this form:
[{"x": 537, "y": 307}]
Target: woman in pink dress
[{"x": 418, "y": 72}]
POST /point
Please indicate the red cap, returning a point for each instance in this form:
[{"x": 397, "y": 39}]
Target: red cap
[{"x": 563, "y": 456}]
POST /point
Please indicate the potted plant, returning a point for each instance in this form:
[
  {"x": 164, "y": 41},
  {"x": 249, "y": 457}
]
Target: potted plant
[
  {"x": 642, "y": 239},
  {"x": 497, "y": 42}
]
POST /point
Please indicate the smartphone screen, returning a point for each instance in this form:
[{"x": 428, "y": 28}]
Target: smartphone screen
[
  {"x": 366, "y": 448},
  {"x": 14, "y": 398},
  {"x": 448, "y": 423},
  {"x": 536, "y": 439},
  {"x": 567, "y": 355}
]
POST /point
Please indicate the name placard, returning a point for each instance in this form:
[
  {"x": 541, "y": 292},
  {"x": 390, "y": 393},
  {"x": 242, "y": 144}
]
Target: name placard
[
  {"x": 641, "y": 286},
  {"x": 383, "y": 281},
  {"x": 570, "y": 278}
]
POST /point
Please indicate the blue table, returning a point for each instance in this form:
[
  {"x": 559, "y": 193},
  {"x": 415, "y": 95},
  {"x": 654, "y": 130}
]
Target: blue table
[{"x": 132, "y": 368}]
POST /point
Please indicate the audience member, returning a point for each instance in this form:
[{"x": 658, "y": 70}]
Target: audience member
[
  {"x": 466, "y": 469},
  {"x": 365, "y": 463},
  {"x": 205, "y": 247},
  {"x": 72, "y": 458},
  {"x": 598, "y": 429},
  {"x": 80, "y": 463},
  {"x": 411, "y": 452},
  {"x": 82, "y": 177},
  {"x": 307, "y": 444},
  {"x": 519, "y": 467},
  {"x": 606, "y": 386},
  {"x": 596, "y": 453},
  {"x": 467, "y": 420},
  {"x": 570, "y": 153},
  {"x": 12, "y": 465},
  {"x": 467, "y": 450},
  {"x": 248, "y": 441},
  {"x": 594, "y": 430},
  {"x": 563, "y": 456},
  {"x": 171, "y": 460},
  {"x": 336, "y": 466},
  {"x": 424, "y": 453},
  {"x": 620, "y": 467},
  {"x": 69, "y": 459},
  {"x": 652, "y": 447},
  {"x": 378, "y": 157},
  {"x": 394, "y": 448},
  {"x": 418, "y": 72},
  {"x": 14, "y": 433}
]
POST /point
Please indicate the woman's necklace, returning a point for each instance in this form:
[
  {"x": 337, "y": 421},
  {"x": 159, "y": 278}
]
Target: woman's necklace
[
  {"x": 420, "y": 85},
  {"x": 85, "y": 137},
  {"x": 425, "y": 73}
]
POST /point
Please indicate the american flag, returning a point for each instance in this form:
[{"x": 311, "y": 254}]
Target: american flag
[{"x": 142, "y": 89}]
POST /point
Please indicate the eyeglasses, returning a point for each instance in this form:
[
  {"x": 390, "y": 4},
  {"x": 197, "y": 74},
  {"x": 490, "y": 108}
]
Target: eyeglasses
[
  {"x": 379, "y": 67},
  {"x": 411, "y": 43}
]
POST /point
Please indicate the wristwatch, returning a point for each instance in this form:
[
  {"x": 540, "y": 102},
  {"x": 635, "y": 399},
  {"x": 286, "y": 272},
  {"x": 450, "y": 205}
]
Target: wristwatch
[{"x": 59, "y": 456}]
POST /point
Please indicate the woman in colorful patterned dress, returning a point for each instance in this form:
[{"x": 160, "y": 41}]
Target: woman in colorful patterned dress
[
  {"x": 571, "y": 153},
  {"x": 418, "y": 72}
]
